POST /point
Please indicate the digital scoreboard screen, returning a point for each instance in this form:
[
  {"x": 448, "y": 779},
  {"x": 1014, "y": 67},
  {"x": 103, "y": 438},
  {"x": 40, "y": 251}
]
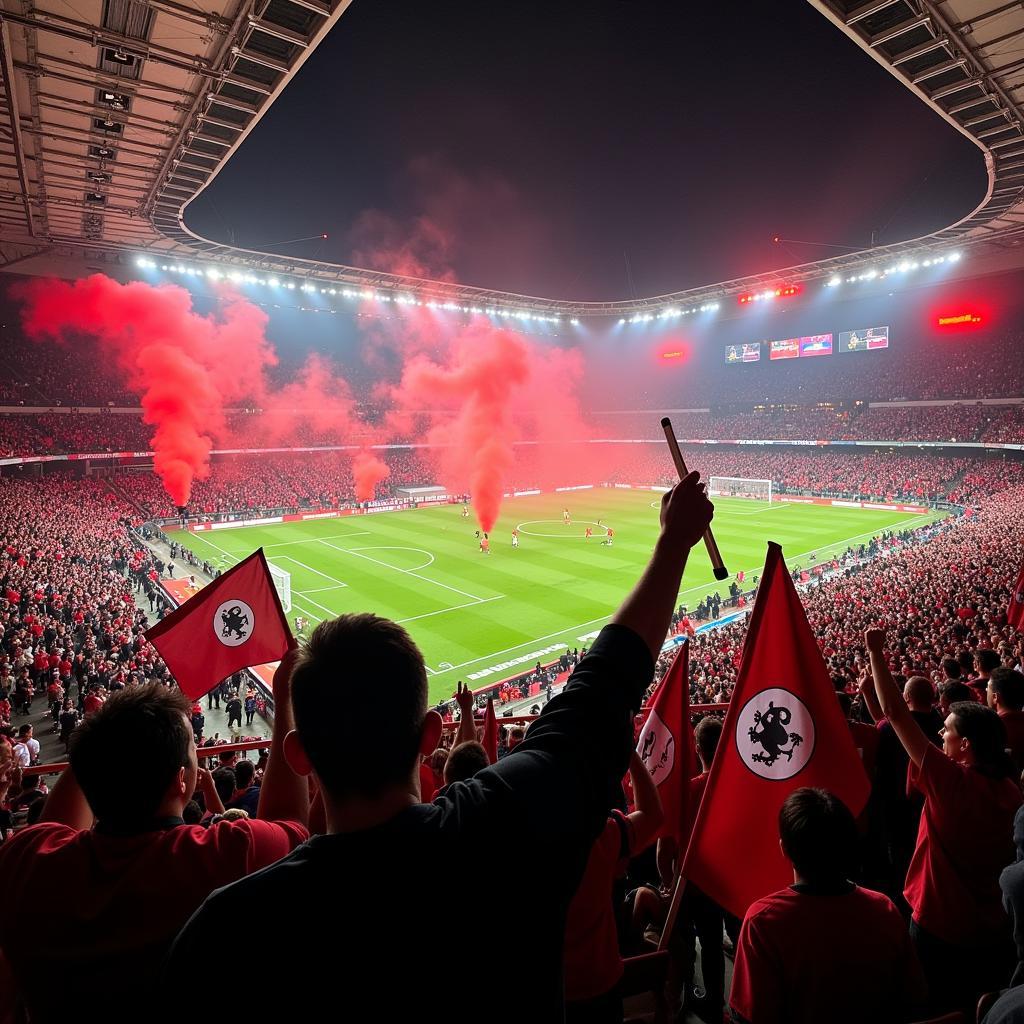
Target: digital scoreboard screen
[
  {"x": 749, "y": 353},
  {"x": 864, "y": 340},
  {"x": 788, "y": 349},
  {"x": 816, "y": 345}
]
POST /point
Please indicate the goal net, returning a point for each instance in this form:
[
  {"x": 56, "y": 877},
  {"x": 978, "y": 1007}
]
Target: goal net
[
  {"x": 739, "y": 487},
  {"x": 282, "y": 584}
]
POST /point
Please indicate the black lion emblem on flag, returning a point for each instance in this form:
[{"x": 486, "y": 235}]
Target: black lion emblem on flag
[
  {"x": 235, "y": 623},
  {"x": 769, "y": 730}
]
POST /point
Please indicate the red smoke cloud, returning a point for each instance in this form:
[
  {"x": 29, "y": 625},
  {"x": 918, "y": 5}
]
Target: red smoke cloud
[
  {"x": 317, "y": 399},
  {"x": 368, "y": 471},
  {"x": 472, "y": 394},
  {"x": 187, "y": 368}
]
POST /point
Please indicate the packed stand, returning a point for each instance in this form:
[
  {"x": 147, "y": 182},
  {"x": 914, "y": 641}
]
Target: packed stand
[
  {"x": 77, "y": 590},
  {"x": 243, "y": 484},
  {"x": 895, "y": 917},
  {"x": 1007, "y": 428}
]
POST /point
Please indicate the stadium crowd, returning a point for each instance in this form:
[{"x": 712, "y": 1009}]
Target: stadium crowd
[
  {"x": 70, "y": 574},
  {"x": 55, "y": 433},
  {"x": 856, "y": 422},
  {"x": 912, "y": 920},
  {"x": 262, "y": 482}
]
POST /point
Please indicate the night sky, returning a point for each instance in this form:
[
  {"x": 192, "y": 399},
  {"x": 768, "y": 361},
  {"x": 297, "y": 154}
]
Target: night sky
[{"x": 596, "y": 149}]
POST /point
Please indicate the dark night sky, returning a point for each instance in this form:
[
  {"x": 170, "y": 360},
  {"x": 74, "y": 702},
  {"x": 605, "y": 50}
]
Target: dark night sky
[{"x": 542, "y": 141}]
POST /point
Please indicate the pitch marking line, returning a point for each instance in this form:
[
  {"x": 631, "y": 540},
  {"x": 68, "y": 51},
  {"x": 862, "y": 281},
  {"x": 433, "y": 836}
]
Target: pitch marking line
[
  {"x": 690, "y": 590},
  {"x": 297, "y": 595},
  {"x": 453, "y": 608},
  {"x": 309, "y": 568},
  {"x": 322, "y": 590},
  {"x": 314, "y": 540},
  {"x": 408, "y": 572}
]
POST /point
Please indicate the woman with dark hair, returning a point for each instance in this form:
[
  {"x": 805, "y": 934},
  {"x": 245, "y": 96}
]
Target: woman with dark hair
[{"x": 964, "y": 840}]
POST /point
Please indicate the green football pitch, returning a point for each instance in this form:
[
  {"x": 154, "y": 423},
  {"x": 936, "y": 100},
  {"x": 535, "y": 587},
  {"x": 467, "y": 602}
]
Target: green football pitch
[{"x": 481, "y": 617}]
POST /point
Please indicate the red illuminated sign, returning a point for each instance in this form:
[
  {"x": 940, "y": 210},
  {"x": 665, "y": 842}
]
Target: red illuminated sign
[
  {"x": 779, "y": 292},
  {"x": 955, "y": 319}
]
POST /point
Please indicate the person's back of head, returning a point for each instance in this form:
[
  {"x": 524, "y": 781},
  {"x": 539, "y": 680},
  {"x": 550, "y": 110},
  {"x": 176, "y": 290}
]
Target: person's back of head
[
  {"x": 24, "y": 733},
  {"x": 128, "y": 753},
  {"x": 1008, "y": 686},
  {"x": 465, "y": 761},
  {"x": 951, "y": 668},
  {"x": 438, "y": 759},
  {"x": 952, "y": 693},
  {"x": 919, "y": 693},
  {"x": 372, "y": 667},
  {"x": 818, "y": 835},
  {"x": 706, "y": 735},
  {"x": 965, "y": 659},
  {"x": 245, "y": 772},
  {"x": 986, "y": 660},
  {"x": 224, "y": 783}
]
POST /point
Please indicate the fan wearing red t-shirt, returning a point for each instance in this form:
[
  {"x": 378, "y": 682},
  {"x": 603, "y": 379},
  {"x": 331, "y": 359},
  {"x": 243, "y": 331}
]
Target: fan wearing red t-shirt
[
  {"x": 1006, "y": 697},
  {"x": 91, "y": 909},
  {"x": 593, "y": 963},
  {"x": 964, "y": 840},
  {"x": 823, "y": 949}
]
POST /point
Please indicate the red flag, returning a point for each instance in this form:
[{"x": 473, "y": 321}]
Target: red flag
[
  {"x": 490, "y": 736},
  {"x": 666, "y": 744},
  {"x": 1015, "y": 613},
  {"x": 784, "y": 730},
  {"x": 232, "y": 623}
]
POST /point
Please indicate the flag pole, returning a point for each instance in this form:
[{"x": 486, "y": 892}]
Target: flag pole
[
  {"x": 721, "y": 573},
  {"x": 678, "y": 888}
]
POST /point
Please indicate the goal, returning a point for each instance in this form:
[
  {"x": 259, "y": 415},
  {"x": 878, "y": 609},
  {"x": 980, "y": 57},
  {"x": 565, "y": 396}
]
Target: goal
[
  {"x": 739, "y": 487},
  {"x": 282, "y": 584}
]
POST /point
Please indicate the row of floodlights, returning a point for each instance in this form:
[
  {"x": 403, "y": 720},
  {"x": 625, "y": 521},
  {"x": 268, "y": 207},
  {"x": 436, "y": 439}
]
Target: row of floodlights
[
  {"x": 669, "y": 314},
  {"x": 897, "y": 268},
  {"x": 237, "y": 277}
]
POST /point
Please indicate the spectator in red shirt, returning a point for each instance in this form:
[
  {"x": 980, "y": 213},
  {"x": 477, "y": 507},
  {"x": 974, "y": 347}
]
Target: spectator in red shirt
[
  {"x": 1006, "y": 696},
  {"x": 964, "y": 841},
  {"x": 823, "y": 949},
  {"x": 986, "y": 661},
  {"x": 94, "y": 894},
  {"x": 593, "y": 963}
]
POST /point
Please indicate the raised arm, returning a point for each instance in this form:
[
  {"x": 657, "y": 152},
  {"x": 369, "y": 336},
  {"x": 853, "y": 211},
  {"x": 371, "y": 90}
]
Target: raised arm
[
  {"x": 648, "y": 609},
  {"x": 284, "y": 795},
  {"x": 467, "y": 726},
  {"x": 566, "y": 775},
  {"x": 205, "y": 785},
  {"x": 866, "y": 688},
  {"x": 648, "y": 815},
  {"x": 893, "y": 706}
]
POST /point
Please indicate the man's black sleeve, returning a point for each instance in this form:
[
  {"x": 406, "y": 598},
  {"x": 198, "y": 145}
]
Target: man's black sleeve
[{"x": 563, "y": 778}]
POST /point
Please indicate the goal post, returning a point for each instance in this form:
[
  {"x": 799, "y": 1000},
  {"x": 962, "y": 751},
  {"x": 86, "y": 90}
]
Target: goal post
[
  {"x": 282, "y": 584},
  {"x": 739, "y": 487}
]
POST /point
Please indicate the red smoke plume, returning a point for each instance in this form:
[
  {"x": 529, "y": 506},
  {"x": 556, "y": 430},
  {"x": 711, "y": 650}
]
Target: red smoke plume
[
  {"x": 475, "y": 386},
  {"x": 368, "y": 471},
  {"x": 187, "y": 368}
]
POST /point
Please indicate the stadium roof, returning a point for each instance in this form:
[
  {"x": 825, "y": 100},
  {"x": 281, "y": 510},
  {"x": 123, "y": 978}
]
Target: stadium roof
[{"x": 117, "y": 113}]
